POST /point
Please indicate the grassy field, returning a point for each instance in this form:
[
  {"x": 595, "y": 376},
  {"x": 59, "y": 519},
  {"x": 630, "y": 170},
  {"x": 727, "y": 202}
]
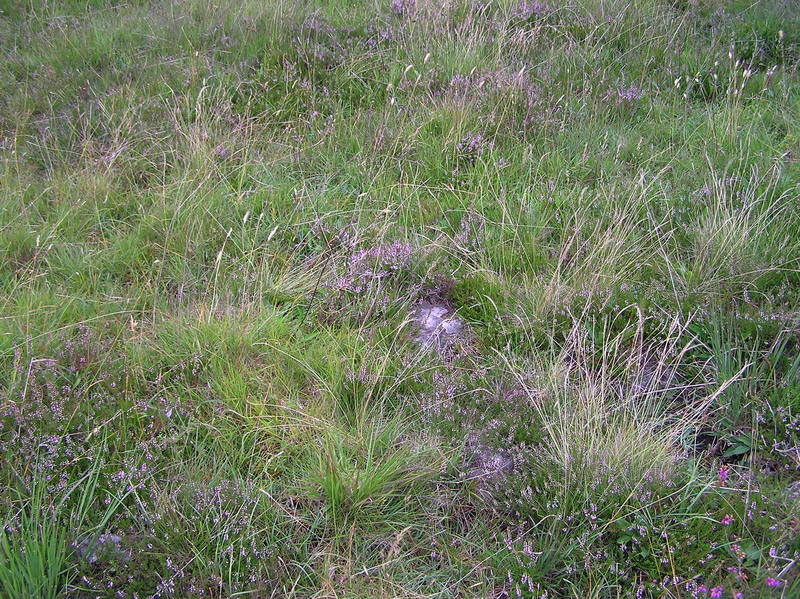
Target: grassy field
[{"x": 220, "y": 224}]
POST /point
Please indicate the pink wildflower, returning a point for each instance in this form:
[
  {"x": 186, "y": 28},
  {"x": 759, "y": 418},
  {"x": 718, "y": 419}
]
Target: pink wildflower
[{"x": 723, "y": 473}]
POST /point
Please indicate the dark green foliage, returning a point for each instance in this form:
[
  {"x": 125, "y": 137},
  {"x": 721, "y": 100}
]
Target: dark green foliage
[{"x": 478, "y": 300}]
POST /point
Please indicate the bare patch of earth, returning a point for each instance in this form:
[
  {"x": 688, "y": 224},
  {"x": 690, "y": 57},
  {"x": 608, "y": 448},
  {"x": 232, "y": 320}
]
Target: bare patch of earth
[{"x": 438, "y": 326}]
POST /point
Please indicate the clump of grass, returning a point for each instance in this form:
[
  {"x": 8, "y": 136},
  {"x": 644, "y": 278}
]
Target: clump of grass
[
  {"x": 34, "y": 553},
  {"x": 370, "y": 477}
]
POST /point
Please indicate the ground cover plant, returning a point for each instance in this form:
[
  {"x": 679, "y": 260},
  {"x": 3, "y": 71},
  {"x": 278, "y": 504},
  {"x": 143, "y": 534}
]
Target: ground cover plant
[{"x": 226, "y": 228}]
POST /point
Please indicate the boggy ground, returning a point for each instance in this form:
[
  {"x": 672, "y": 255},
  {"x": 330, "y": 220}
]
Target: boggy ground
[{"x": 229, "y": 236}]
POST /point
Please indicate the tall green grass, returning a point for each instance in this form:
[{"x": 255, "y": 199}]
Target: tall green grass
[{"x": 221, "y": 223}]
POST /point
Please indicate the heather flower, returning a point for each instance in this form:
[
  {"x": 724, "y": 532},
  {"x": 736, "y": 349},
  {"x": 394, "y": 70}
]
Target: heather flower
[
  {"x": 472, "y": 146},
  {"x": 723, "y": 474},
  {"x": 374, "y": 264},
  {"x": 526, "y": 10},
  {"x": 623, "y": 96},
  {"x": 400, "y": 7}
]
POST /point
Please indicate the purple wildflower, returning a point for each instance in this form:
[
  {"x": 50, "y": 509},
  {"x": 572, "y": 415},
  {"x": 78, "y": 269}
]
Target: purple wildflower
[
  {"x": 525, "y": 10},
  {"x": 723, "y": 473},
  {"x": 473, "y": 145},
  {"x": 716, "y": 592},
  {"x": 376, "y": 263},
  {"x": 772, "y": 582},
  {"x": 625, "y": 96},
  {"x": 727, "y": 520},
  {"x": 400, "y": 7}
]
